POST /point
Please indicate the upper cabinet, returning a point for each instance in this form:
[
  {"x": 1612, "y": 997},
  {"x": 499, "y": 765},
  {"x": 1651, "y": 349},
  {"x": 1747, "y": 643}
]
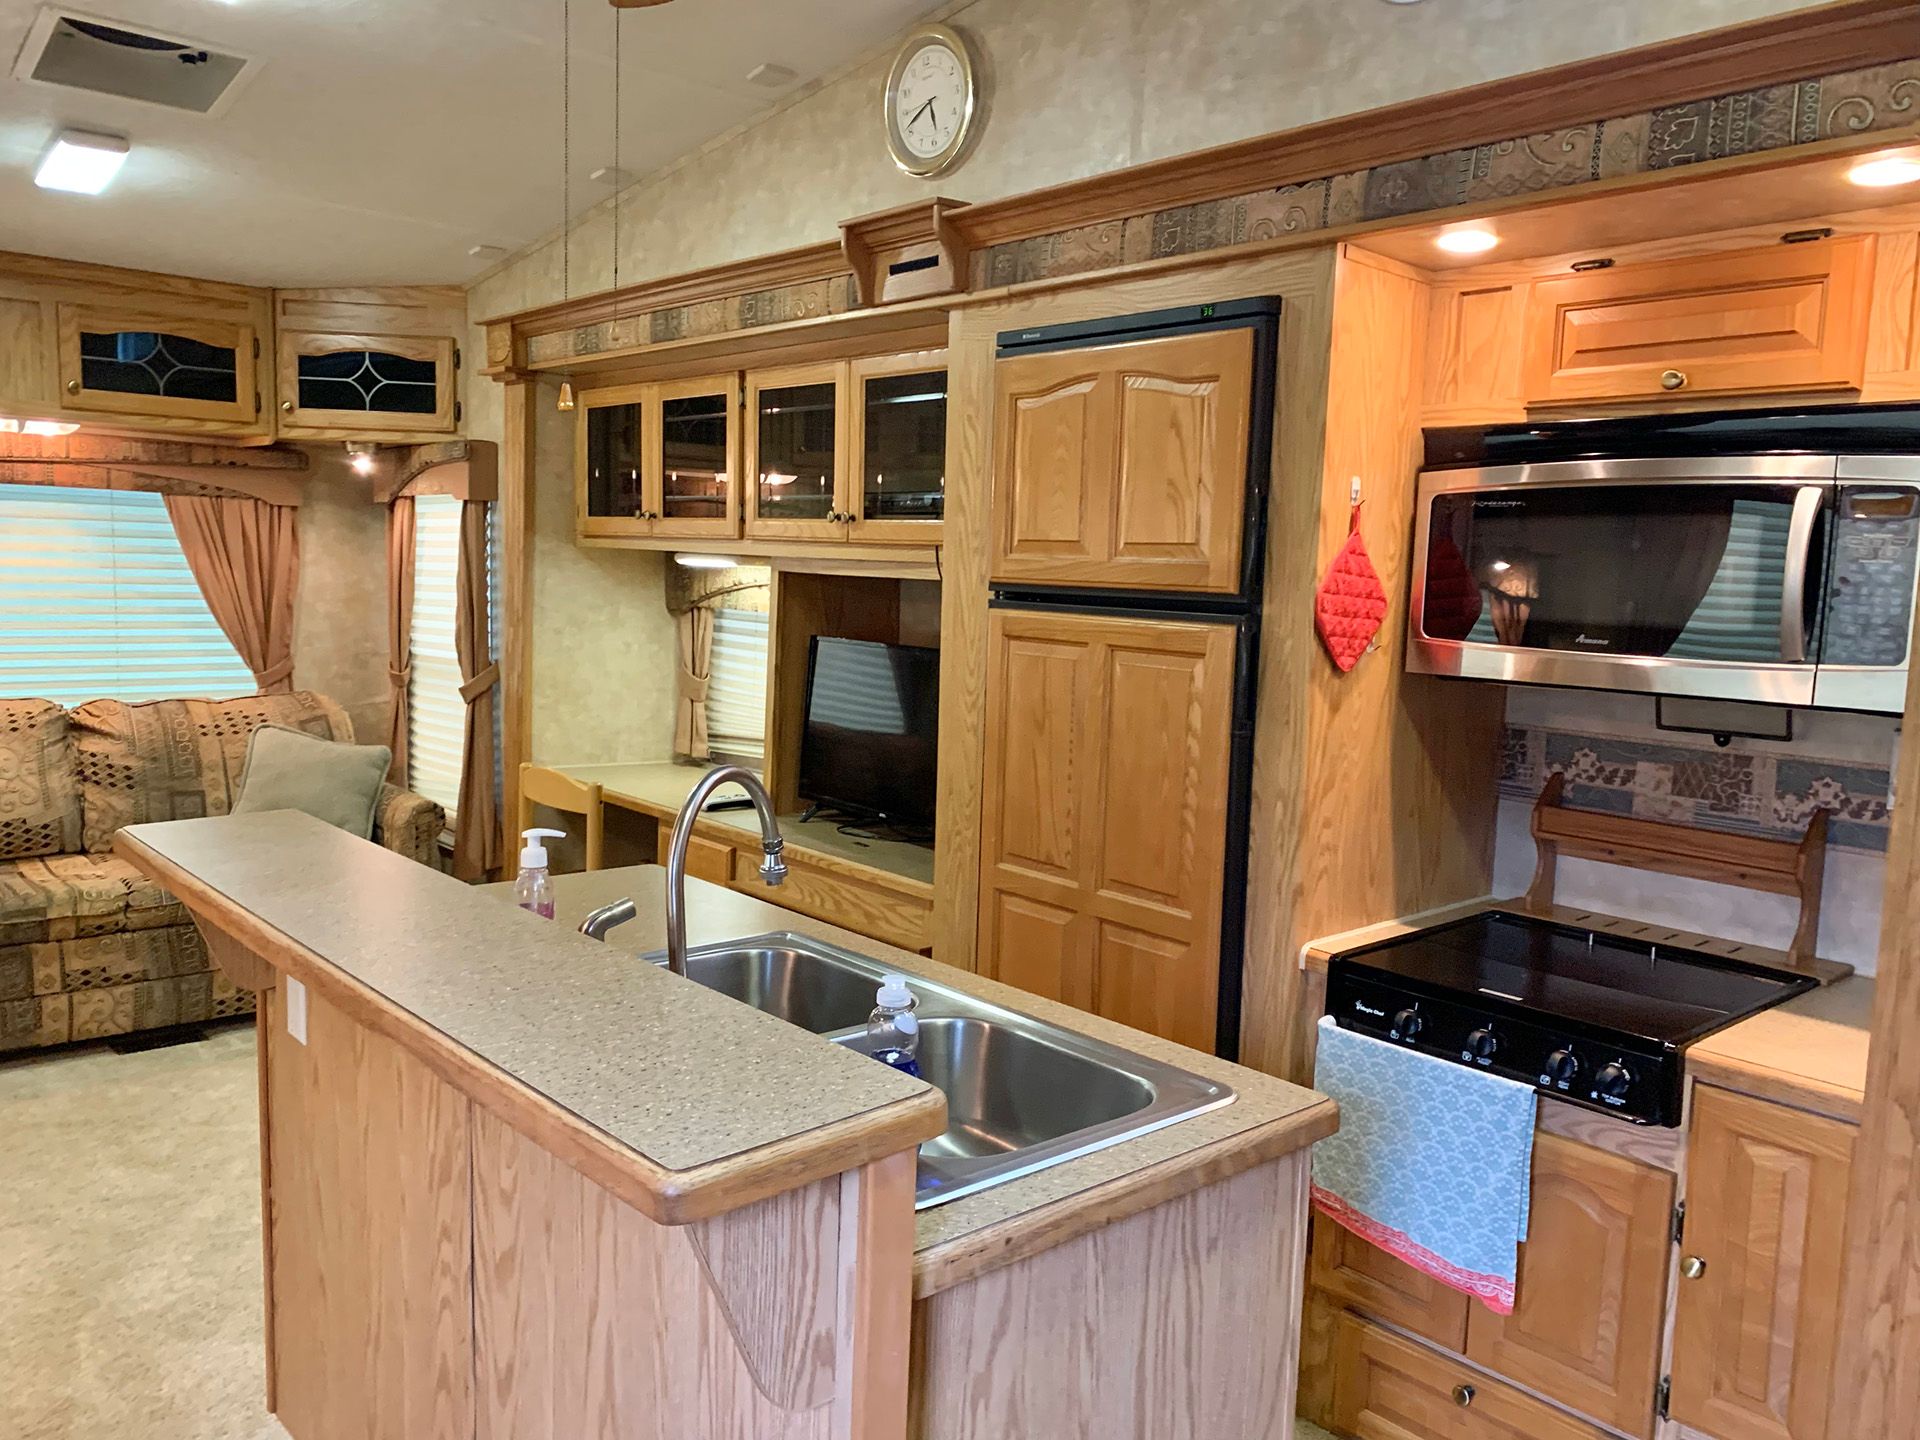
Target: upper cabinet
[
  {"x": 659, "y": 460},
  {"x": 120, "y": 350},
  {"x": 368, "y": 364},
  {"x": 897, "y": 479},
  {"x": 1781, "y": 317},
  {"x": 1124, "y": 465},
  {"x": 797, "y": 452}
]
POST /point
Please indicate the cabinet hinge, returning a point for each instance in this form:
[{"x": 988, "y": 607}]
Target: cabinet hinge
[
  {"x": 458, "y": 410},
  {"x": 256, "y": 347},
  {"x": 1679, "y": 1222},
  {"x": 256, "y": 402},
  {"x": 1663, "y": 1397},
  {"x": 456, "y": 357}
]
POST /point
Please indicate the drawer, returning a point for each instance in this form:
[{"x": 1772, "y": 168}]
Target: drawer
[
  {"x": 870, "y": 910},
  {"x": 1777, "y": 318},
  {"x": 710, "y": 860},
  {"x": 1390, "y": 1388},
  {"x": 1366, "y": 1278}
]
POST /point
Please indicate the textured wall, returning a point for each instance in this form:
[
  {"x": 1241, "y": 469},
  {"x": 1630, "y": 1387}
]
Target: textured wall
[
  {"x": 1073, "y": 88},
  {"x": 340, "y": 615}
]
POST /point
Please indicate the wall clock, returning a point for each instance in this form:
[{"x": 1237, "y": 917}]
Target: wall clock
[{"x": 930, "y": 100}]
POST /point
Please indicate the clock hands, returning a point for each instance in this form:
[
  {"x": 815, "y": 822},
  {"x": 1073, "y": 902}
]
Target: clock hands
[{"x": 926, "y": 108}]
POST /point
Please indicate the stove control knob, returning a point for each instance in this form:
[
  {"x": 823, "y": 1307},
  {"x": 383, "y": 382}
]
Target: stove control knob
[
  {"x": 1483, "y": 1044},
  {"x": 1408, "y": 1023},
  {"x": 1562, "y": 1066},
  {"x": 1613, "y": 1081}
]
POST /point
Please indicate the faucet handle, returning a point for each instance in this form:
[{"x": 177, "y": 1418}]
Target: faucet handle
[{"x": 773, "y": 869}]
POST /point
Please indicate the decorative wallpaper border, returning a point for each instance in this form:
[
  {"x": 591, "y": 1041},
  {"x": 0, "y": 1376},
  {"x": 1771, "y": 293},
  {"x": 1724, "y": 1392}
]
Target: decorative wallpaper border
[
  {"x": 1774, "y": 117},
  {"x": 1689, "y": 783},
  {"x": 802, "y": 301}
]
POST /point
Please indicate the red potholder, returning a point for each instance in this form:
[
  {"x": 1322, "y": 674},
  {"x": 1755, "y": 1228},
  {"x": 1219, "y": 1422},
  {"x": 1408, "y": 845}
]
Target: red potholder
[{"x": 1350, "y": 604}]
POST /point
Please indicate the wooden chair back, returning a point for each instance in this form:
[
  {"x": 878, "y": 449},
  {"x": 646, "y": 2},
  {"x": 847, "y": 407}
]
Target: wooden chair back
[{"x": 542, "y": 785}]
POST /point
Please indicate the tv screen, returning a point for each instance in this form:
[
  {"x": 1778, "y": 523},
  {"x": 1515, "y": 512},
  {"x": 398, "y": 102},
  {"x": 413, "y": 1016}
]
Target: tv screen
[{"x": 872, "y": 716}]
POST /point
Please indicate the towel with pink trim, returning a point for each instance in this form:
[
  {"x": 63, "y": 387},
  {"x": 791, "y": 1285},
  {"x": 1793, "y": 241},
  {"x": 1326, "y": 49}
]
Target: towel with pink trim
[{"x": 1432, "y": 1161}]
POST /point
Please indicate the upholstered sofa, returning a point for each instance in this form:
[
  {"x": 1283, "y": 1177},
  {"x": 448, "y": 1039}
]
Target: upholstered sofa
[{"x": 89, "y": 947}]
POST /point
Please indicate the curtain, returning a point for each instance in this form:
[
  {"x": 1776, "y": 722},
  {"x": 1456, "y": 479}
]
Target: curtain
[
  {"x": 696, "y": 670},
  {"x": 476, "y": 831},
  {"x": 400, "y": 539},
  {"x": 245, "y": 556}
]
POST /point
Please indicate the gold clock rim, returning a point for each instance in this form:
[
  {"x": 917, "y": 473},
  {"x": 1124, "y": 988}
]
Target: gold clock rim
[{"x": 912, "y": 45}]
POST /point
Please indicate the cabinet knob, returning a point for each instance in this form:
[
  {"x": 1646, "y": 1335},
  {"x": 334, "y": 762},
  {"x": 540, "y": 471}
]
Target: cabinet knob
[
  {"x": 286, "y": 407},
  {"x": 1463, "y": 1395},
  {"x": 1672, "y": 379},
  {"x": 73, "y": 387},
  {"x": 1693, "y": 1267}
]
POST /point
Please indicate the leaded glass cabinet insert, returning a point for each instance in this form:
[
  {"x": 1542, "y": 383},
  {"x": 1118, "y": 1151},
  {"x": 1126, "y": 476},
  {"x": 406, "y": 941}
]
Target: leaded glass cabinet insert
[{"x": 159, "y": 365}]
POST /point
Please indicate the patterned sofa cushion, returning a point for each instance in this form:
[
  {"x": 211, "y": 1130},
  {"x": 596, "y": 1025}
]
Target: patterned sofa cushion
[
  {"x": 65, "y": 897},
  {"x": 39, "y": 801},
  {"x": 178, "y": 759}
]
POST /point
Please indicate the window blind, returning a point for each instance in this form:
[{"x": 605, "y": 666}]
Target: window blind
[
  {"x": 737, "y": 689},
  {"x": 437, "y": 721},
  {"x": 96, "y": 600}
]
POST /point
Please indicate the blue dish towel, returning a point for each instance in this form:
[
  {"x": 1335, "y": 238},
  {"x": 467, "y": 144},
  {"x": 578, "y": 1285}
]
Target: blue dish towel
[{"x": 1432, "y": 1161}]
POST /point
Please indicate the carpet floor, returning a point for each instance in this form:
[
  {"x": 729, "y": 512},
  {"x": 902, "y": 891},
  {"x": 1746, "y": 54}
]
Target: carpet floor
[{"x": 130, "y": 1303}]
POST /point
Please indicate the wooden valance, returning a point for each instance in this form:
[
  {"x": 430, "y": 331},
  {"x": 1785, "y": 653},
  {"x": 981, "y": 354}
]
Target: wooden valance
[
  {"x": 464, "y": 469},
  {"x": 168, "y": 467},
  {"x": 907, "y": 252},
  {"x": 1778, "y": 867}
]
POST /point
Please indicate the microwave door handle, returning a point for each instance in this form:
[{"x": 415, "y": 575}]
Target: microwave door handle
[{"x": 1807, "y": 501}]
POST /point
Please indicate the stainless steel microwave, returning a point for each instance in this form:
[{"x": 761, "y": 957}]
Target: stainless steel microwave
[{"x": 1786, "y": 579}]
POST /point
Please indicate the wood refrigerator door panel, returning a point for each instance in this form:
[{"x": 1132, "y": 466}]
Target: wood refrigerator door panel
[{"x": 1055, "y": 428}]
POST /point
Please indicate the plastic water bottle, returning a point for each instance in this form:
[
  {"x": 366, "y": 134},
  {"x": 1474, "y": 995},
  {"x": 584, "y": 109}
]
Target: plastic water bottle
[{"x": 893, "y": 1029}]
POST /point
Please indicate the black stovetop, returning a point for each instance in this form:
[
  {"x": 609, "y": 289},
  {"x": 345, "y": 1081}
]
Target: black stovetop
[{"x": 1663, "y": 993}]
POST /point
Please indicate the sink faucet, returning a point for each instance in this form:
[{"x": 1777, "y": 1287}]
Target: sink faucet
[{"x": 773, "y": 869}]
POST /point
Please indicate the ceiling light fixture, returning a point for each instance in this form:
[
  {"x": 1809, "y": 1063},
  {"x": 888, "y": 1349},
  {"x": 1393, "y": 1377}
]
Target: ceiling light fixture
[
  {"x": 1466, "y": 240},
  {"x": 695, "y": 561},
  {"x": 82, "y": 162},
  {"x": 1886, "y": 170},
  {"x": 772, "y": 75}
]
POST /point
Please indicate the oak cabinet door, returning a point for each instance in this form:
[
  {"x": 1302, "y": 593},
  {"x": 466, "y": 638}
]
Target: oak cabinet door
[
  {"x": 1754, "y": 1331},
  {"x": 611, "y": 438},
  {"x": 1104, "y": 826},
  {"x": 692, "y": 465},
  {"x": 355, "y": 385},
  {"x": 796, "y": 446},
  {"x": 1362, "y": 1276},
  {"x": 163, "y": 365},
  {"x": 1780, "y": 318},
  {"x": 897, "y": 477},
  {"x": 1585, "y": 1328},
  {"x": 1124, "y": 465},
  {"x": 1390, "y": 1388}
]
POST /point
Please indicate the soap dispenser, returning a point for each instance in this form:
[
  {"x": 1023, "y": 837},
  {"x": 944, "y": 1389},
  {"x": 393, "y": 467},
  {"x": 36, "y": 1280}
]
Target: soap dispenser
[
  {"x": 893, "y": 1029},
  {"x": 533, "y": 887}
]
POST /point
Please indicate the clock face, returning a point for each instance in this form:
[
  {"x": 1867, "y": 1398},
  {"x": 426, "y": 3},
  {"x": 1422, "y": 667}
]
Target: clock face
[{"x": 929, "y": 102}]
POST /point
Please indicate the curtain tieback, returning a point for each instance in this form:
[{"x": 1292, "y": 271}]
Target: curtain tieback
[
  {"x": 274, "y": 674},
  {"x": 402, "y": 678},
  {"x": 480, "y": 684},
  {"x": 693, "y": 687}
]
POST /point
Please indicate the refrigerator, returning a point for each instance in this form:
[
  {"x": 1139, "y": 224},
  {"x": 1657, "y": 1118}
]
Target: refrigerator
[{"x": 1131, "y": 471}]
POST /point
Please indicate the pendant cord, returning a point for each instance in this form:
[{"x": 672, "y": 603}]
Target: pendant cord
[
  {"x": 618, "y": 15},
  {"x": 566, "y": 149}
]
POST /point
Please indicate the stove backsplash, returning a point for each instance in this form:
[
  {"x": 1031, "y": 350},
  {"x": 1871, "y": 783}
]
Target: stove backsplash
[{"x": 1615, "y": 759}]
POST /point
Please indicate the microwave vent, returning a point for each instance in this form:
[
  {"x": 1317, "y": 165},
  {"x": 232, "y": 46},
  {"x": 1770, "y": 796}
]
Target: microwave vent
[{"x": 109, "y": 57}]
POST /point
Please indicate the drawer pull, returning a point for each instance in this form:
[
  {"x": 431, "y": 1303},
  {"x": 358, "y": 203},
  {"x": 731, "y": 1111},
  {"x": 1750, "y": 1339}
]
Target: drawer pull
[
  {"x": 1693, "y": 1267},
  {"x": 1463, "y": 1395},
  {"x": 1672, "y": 379}
]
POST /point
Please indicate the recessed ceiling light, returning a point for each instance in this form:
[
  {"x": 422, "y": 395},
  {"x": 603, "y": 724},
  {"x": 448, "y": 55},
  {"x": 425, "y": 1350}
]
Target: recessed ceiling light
[
  {"x": 1467, "y": 240},
  {"x": 82, "y": 162},
  {"x": 1886, "y": 170},
  {"x": 486, "y": 252},
  {"x": 612, "y": 175},
  {"x": 695, "y": 561},
  {"x": 771, "y": 75}
]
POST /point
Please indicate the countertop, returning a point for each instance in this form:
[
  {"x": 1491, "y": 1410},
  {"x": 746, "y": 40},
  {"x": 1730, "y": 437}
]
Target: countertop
[
  {"x": 1810, "y": 1051},
  {"x": 707, "y": 1103},
  {"x": 660, "y": 788},
  {"x": 956, "y": 1241}
]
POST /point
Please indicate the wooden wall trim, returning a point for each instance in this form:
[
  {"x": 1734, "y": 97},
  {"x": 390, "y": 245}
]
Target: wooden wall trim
[
  {"x": 1801, "y": 43},
  {"x": 464, "y": 469},
  {"x": 516, "y": 600}
]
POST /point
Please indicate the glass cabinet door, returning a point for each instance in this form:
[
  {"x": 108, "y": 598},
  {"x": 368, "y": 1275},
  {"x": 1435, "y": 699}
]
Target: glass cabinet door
[
  {"x": 694, "y": 458},
  {"x": 362, "y": 384},
  {"x": 900, "y": 466},
  {"x": 156, "y": 365},
  {"x": 609, "y": 488},
  {"x": 794, "y": 419}
]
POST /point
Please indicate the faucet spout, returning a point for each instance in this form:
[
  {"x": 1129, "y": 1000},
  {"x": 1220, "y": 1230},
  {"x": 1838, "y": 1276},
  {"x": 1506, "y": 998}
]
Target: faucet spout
[
  {"x": 599, "y": 922},
  {"x": 773, "y": 866}
]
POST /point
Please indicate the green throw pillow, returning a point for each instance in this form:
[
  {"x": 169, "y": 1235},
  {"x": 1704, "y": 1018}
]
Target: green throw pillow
[{"x": 292, "y": 770}]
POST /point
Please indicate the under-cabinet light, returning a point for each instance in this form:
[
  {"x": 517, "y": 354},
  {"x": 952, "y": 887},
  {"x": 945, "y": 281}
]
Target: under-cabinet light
[
  {"x": 1466, "y": 240},
  {"x": 1885, "y": 171},
  {"x": 82, "y": 162},
  {"x": 695, "y": 561},
  {"x": 361, "y": 457}
]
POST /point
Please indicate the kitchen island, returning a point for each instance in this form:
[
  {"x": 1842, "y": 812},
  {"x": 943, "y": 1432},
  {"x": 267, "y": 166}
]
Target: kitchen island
[{"x": 519, "y": 1183}]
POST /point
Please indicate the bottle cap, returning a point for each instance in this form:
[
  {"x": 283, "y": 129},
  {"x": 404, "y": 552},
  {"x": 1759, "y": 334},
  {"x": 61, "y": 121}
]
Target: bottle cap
[
  {"x": 893, "y": 993},
  {"x": 534, "y": 855}
]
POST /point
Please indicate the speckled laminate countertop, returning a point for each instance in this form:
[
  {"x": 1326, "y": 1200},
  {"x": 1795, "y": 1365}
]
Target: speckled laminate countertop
[
  {"x": 1269, "y": 1117},
  {"x": 1810, "y": 1051}
]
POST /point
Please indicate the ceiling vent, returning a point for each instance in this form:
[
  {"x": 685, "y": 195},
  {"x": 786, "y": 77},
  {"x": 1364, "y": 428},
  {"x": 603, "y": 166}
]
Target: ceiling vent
[{"x": 107, "y": 57}]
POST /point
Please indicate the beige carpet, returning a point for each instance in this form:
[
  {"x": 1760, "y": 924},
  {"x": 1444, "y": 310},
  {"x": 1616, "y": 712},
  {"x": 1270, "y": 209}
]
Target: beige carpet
[{"x": 130, "y": 1246}]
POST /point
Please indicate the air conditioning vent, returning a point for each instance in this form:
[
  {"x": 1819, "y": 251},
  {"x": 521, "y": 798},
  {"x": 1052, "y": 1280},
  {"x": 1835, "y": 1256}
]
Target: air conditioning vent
[{"x": 109, "y": 57}]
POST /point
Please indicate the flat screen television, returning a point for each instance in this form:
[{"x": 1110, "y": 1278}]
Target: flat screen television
[{"x": 872, "y": 717}]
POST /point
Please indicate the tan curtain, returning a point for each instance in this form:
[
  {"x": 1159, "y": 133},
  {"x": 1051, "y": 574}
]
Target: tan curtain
[
  {"x": 476, "y": 831},
  {"x": 400, "y": 534},
  {"x": 245, "y": 555},
  {"x": 696, "y": 672}
]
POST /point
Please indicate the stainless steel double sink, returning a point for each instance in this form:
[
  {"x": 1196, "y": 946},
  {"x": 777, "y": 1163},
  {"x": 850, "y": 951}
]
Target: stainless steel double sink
[{"x": 1021, "y": 1094}]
